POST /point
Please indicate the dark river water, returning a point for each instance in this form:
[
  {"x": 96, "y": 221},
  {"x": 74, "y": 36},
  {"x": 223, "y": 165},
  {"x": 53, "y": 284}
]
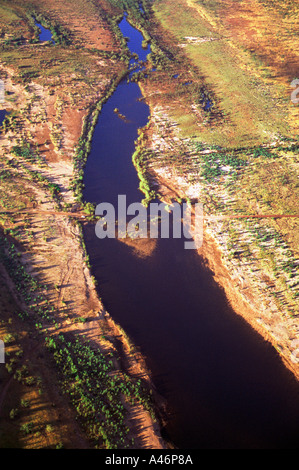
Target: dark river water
[{"x": 225, "y": 386}]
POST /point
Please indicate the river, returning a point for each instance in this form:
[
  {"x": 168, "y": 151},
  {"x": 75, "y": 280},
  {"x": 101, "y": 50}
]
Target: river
[{"x": 226, "y": 387}]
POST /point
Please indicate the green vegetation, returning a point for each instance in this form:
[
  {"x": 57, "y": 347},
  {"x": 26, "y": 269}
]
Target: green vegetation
[
  {"x": 245, "y": 181},
  {"x": 140, "y": 158},
  {"x": 59, "y": 34},
  {"x": 242, "y": 99},
  {"x": 97, "y": 391}
]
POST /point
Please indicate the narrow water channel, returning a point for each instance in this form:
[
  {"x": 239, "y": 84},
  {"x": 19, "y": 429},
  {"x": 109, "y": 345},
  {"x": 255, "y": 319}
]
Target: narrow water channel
[
  {"x": 45, "y": 34},
  {"x": 226, "y": 387},
  {"x": 3, "y": 114}
]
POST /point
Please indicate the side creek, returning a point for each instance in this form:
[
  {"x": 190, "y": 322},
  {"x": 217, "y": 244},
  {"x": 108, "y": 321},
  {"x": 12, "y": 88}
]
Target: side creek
[
  {"x": 3, "y": 114},
  {"x": 45, "y": 34},
  {"x": 226, "y": 387}
]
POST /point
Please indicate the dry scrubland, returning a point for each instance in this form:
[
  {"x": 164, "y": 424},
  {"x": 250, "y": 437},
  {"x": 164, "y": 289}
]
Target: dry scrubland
[{"x": 222, "y": 130}]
